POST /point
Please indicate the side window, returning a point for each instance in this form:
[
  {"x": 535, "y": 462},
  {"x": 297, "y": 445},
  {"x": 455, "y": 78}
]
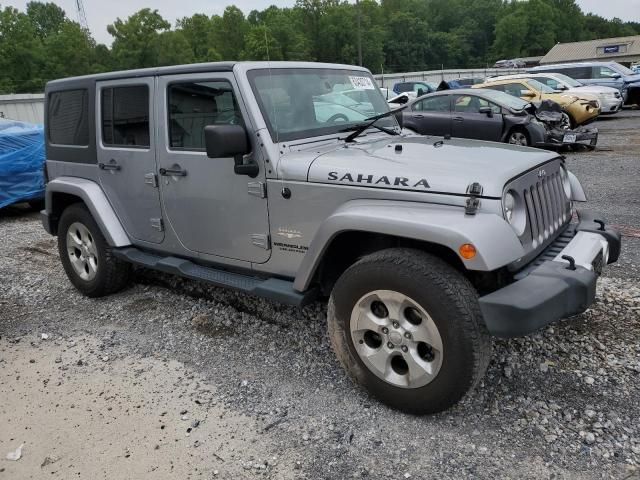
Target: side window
[
  {"x": 68, "y": 117},
  {"x": 194, "y": 105},
  {"x": 549, "y": 82},
  {"x": 499, "y": 88},
  {"x": 581, "y": 73},
  {"x": 433, "y": 104},
  {"x": 514, "y": 89},
  {"x": 125, "y": 116},
  {"x": 603, "y": 72},
  {"x": 473, "y": 104}
]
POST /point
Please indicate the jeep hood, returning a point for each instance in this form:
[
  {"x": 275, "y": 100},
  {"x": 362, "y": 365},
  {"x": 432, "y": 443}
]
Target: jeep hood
[{"x": 416, "y": 163}]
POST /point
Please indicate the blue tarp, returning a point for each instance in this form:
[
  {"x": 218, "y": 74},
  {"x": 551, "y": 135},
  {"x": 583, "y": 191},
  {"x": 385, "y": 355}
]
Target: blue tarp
[{"x": 21, "y": 162}]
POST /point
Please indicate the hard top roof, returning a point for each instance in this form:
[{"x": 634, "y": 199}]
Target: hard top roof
[{"x": 194, "y": 68}]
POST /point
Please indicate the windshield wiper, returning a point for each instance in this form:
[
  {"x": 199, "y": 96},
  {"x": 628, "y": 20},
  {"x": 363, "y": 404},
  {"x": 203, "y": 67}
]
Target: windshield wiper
[{"x": 369, "y": 122}]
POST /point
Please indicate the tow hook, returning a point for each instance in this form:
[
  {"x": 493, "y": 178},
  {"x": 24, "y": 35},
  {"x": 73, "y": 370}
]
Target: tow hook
[{"x": 571, "y": 260}]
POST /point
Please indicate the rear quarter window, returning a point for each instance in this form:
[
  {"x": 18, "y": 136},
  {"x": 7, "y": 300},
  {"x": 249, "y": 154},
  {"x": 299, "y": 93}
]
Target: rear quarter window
[{"x": 68, "y": 117}]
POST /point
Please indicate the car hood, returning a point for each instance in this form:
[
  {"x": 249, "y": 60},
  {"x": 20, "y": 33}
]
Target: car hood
[
  {"x": 632, "y": 78},
  {"x": 415, "y": 163},
  {"x": 593, "y": 89}
]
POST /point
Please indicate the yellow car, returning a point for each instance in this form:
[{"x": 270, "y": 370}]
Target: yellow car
[{"x": 581, "y": 109}]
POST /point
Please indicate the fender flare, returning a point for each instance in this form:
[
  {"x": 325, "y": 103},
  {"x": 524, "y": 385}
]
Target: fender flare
[
  {"x": 96, "y": 201},
  {"x": 495, "y": 241},
  {"x": 577, "y": 192}
]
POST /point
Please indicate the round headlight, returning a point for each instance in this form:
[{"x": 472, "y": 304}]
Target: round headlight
[
  {"x": 566, "y": 183},
  {"x": 509, "y": 203},
  {"x": 514, "y": 211}
]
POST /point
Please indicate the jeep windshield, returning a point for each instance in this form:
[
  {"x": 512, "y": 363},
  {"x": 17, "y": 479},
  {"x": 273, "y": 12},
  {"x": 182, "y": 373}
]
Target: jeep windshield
[{"x": 301, "y": 103}]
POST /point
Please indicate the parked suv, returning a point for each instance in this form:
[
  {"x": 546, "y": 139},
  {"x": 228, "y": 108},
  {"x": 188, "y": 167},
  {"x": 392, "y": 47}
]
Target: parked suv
[
  {"x": 229, "y": 173},
  {"x": 607, "y": 74}
]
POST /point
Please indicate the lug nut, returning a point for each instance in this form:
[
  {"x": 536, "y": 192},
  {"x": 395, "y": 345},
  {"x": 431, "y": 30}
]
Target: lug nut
[
  {"x": 404, "y": 348},
  {"x": 390, "y": 345},
  {"x": 407, "y": 335},
  {"x": 396, "y": 324},
  {"x": 385, "y": 330}
]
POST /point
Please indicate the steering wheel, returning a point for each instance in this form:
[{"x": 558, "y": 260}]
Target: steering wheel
[{"x": 338, "y": 117}]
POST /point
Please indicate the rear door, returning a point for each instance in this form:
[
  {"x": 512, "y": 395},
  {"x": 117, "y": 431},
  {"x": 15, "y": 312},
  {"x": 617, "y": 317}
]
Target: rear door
[
  {"x": 430, "y": 116},
  {"x": 126, "y": 155},
  {"x": 468, "y": 122}
]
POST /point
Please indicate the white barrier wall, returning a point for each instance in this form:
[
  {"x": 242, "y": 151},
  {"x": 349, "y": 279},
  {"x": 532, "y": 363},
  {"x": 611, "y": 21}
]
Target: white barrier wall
[
  {"x": 25, "y": 107},
  {"x": 436, "y": 76}
]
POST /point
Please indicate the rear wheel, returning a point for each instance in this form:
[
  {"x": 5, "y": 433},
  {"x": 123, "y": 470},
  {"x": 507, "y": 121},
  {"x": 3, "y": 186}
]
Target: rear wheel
[
  {"x": 86, "y": 257},
  {"x": 407, "y": 327}
]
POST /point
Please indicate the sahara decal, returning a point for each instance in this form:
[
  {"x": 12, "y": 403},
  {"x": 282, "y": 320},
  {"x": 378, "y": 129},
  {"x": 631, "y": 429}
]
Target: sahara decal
[{"x": 378, "y": 180}]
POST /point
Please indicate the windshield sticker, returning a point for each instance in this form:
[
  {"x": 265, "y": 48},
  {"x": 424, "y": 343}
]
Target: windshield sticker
[{"x": 362, "y": 83}]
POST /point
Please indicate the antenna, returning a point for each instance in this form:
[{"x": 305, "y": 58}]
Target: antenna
[{"x": 82, "y": 16}]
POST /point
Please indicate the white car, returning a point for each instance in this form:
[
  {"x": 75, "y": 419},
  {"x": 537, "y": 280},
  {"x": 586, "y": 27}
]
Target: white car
[{"x": 610, "y": 98}]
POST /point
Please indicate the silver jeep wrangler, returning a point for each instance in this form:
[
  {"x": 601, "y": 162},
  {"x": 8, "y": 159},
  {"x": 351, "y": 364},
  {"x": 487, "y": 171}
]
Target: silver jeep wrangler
[{"x": 294, "y": 181}]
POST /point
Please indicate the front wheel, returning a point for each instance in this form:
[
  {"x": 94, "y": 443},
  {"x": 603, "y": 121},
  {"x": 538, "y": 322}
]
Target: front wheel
[
  {"x": 407, "y": 327},
  {"x": 86, "y": 256},
  {"x": 519, "y": 137}
]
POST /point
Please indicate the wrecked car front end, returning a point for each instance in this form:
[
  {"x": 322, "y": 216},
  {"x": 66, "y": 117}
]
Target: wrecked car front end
[{"x": 557, "y": 134}]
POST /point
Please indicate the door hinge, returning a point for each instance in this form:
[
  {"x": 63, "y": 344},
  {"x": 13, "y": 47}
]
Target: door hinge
[
  {"x": 157, "y": 224},
  {"x": 151, "y": 179},
  {"x": 261, "y": 240},
  {"x": 258, "y": 189}
]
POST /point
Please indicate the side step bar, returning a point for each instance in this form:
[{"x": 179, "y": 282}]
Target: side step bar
[{"x": 272, "y": 288}]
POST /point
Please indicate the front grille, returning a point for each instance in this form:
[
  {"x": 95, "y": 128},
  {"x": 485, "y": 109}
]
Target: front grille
[
  {"x": 545, "y": 204},
  {"x": 547, "y": 207}
]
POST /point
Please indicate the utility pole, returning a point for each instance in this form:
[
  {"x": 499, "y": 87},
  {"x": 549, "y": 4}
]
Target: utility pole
[{"x": 359, "y": 34}]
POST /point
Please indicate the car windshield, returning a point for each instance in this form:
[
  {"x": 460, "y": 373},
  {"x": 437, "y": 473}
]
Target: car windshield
[
  {"x": 567, "y": 80},
  {"x": 504, "y": 99},
  {"x": 541, "y": 87},
  {"x": 307, "y": 102}
]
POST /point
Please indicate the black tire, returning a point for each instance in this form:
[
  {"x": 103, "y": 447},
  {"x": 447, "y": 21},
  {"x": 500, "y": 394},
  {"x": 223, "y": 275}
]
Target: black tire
[
  {"x": 525, "y": 138},
  {"x": 448, "y": 298},
  {"x": 111, "y": 273}
]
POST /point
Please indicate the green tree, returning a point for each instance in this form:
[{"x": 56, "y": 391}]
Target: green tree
[
  {"x": 21, "y": 54},
  {"x": 172, "y": 48},
  {"x": 48, "y": 18},
  {"x": 135, "y": 39},
  {"x": 69, "y": 52}
]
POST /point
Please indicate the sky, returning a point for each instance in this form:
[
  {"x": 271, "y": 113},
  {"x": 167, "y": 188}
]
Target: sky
[{"x": 100, "y": 13}]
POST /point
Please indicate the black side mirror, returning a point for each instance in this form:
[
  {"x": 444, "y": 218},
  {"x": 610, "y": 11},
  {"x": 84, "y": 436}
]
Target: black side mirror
[
  {"x": 420, "y": 92},
  {"x": 488, "y": 111},
  {"x": 224, "y": 141}
]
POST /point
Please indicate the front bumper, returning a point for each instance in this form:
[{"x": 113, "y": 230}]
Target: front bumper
[
  {"x": 611, "y": 106},
  {"x": 552, "y": 287},
  {"x": 563, "y": 138}
]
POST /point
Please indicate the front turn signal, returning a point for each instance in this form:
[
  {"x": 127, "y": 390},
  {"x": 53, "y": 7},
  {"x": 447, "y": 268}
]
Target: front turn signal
[{"x": 467, "y": 251}]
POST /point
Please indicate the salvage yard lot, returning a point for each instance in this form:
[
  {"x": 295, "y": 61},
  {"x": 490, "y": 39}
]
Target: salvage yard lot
[{"x": 198, "y": 382}]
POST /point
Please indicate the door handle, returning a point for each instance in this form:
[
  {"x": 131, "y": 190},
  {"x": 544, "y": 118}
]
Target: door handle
[
  {"x": 418, "y": 116},
  {"x": 112, "y": 165},
  {"x": 458, "y": 119},
  {"x": 173, "y": 172}
]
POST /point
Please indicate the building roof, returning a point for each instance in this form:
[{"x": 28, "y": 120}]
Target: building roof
[{"x": 625, "y": 49}]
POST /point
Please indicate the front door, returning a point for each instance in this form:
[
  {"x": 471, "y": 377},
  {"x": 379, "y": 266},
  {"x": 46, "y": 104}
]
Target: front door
[
  {"x": 468, "y": 122},
  {"x": 211, "y": 209},
  {"x": 127, "y": 157}
]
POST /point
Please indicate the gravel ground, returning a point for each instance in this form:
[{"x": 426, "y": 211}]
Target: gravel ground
[{"x": 271, "y": 399}]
